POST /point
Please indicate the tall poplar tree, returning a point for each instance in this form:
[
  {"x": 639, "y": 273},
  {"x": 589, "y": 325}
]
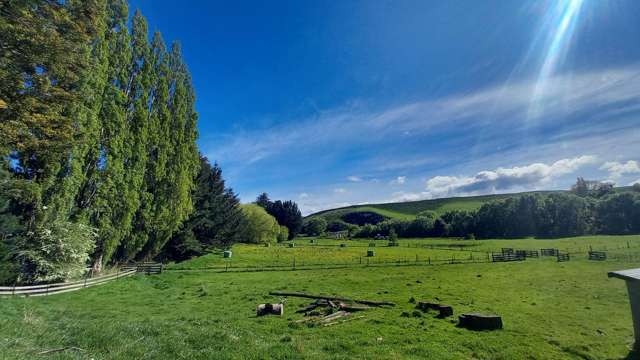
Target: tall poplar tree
[
  {"x": 106, "y": 196},
  {"x": 137, "y": 119}
]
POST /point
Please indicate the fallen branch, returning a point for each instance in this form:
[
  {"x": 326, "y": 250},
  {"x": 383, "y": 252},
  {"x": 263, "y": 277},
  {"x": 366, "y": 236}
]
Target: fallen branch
[
  {"x": 343, "y": 321},
  {"x": 334, "y": 317},
  {"x": 334, "y": 298},
  {"x": 45, "y": 352},
  {"x": 352, "y": 308}
]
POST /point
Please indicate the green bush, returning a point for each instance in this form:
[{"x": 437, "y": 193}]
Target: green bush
[
  {"x": 283, "y": 235},
  {"x": 56, "y": 252},
  {"x": 315, "y": 226},
  {"x": 259, "y": 227}
]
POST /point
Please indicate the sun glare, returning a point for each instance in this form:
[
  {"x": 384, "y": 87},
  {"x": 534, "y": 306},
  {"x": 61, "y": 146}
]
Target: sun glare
[{"x": 560, "y": 26}]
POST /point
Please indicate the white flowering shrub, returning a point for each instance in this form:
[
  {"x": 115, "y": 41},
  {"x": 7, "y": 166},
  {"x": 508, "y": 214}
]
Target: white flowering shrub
[{"x": 56, "y": 252}]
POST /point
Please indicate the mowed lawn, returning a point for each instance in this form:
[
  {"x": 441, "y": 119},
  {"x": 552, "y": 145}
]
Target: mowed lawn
[{"x": 550, "y": 310}]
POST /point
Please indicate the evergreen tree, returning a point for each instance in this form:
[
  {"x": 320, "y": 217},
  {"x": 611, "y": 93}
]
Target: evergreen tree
[
  {"x": 263, "y": 200},
  {"x": 216, "y": 222},
  {"x": 287, "y": 214}
]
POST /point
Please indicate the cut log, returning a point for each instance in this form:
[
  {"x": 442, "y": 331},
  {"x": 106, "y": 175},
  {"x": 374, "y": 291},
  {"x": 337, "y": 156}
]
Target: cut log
[
  {"x": 477, "y": 321},
  {"x": 270, "y": 309},
  {"x": 426, "y": 306},
  {"x": 334, "y": 298},
  {"x": 445, "y": 311}
]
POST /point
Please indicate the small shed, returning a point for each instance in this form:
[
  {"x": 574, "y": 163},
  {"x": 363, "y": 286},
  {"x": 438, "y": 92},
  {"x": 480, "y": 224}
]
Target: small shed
[{"x": 632, "y": 278}]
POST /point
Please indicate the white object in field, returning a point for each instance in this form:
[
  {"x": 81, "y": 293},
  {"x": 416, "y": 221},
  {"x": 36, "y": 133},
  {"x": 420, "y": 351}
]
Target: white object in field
[
  {"x": 270, "y": 309},
  {"x": 632, "y": 278}
]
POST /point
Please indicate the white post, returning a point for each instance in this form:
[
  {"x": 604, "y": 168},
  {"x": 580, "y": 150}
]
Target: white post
[{"x": 634, "y": 300}]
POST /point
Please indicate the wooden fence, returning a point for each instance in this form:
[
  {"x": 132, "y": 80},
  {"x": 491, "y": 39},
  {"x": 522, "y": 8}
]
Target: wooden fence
[
  {"x": 563, "y": 257},
  {"x": 527, "y": 253},
  {"x": 549, "y": 252},
  {"x": 507, "y": 256},
  {"x": 597, "y": 255},
  {"x": 145, "y": 267},
  {"x": 50, "y": 289}
]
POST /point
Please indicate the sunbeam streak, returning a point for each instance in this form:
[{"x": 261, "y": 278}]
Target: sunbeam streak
[{"x": 564, "y": 18}]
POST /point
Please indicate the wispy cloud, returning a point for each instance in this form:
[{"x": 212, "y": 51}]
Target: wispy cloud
[
  {"x": 491, "y": 110},
  {"x": 400, "y": 180},
  {"x": 591, "y": 112}
]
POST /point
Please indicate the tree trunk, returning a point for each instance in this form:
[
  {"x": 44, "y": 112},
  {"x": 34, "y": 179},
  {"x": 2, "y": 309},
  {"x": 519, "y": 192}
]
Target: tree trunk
[{"x": 96, "y": 268}]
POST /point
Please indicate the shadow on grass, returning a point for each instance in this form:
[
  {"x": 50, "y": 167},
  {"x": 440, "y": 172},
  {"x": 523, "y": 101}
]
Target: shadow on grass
[{"x": 633, "y": 355}]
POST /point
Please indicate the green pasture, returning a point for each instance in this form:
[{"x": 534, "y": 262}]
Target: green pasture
[{"x": 551, "y": 310}]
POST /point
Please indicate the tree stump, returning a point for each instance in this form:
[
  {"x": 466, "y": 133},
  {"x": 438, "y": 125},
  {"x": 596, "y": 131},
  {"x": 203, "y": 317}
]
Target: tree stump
[
  {"x": 270, "y": 309},
  {"x": 477, "y": 321}
]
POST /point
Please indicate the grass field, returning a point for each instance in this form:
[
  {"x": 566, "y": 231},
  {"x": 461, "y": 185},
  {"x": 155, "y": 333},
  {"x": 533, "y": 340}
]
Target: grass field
[{"x": 550, "y": 310}]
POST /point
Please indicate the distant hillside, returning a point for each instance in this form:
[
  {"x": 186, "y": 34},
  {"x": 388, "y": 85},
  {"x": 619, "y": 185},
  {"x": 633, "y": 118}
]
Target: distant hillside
[{"x": 409, "y": 209}]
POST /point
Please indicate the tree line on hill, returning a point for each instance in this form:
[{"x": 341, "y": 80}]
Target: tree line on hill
[
  {"x": 98, "y": 158},
  {"x": 589, "y": 208}
]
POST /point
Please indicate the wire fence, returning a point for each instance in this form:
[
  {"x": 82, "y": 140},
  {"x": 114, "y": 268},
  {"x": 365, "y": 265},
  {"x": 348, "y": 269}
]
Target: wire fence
[
  {"x": 583, "y": 249},
  {"x": 468, "y": 257},
  {"x": 359, "y": 263}
]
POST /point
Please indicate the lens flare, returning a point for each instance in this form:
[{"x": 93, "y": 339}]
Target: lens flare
[{"x": 563, "y": 19}]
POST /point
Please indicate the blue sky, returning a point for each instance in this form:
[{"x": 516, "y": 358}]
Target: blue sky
[{"x": 332, "y": 103}]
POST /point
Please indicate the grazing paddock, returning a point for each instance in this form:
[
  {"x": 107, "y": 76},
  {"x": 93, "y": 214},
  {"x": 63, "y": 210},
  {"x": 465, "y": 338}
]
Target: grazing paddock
[{"x": 550, "y": 310}]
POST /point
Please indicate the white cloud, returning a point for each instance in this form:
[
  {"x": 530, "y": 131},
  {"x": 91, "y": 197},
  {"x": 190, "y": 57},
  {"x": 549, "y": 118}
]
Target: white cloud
[
  {"x": 303, "y": 195},
  {"x": 634, "y": 182},
  {"x": 354, "y": 178},
  {"x": 503, "y": 179},
  {"x": 617, "y": 169},
  {"x": 402, "y": 196},
  {"x": 340, "y": 190},
  {"x": 400, "y": 180}
]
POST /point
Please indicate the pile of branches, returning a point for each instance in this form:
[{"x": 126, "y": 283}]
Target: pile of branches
[{"x": 331, "y": 310}]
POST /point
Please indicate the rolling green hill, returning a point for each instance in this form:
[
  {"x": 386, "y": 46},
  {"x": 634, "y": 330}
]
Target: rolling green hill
[{"x": 409, "y": 209}]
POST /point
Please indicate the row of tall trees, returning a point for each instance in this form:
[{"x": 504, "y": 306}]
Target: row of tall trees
[{"x": 99, "y": 130}]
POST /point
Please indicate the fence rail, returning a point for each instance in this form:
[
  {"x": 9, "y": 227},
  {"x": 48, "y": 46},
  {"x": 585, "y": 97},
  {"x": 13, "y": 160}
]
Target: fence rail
[{"x": 50, "y": 289}]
